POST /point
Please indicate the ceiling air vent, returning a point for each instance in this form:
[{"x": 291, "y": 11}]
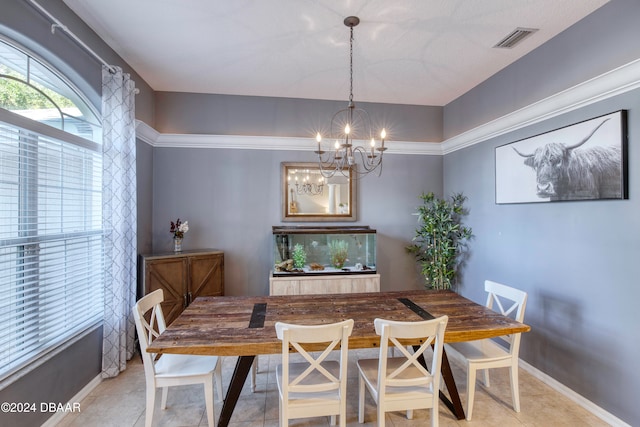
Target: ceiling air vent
[{"x": 515, "y": 37}]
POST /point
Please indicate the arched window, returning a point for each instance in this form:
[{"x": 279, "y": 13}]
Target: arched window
[
  {"x": 51, "y": 244},
  {"x": 31, "y": 89}
]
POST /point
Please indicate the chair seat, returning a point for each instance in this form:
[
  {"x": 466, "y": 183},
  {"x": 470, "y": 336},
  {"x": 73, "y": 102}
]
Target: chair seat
[
  {"x": 184, "y": 365},
  {"x": 486, "y": 350},
  {"x": 295, "y": 369},
  {"x": 368, "y": 368}
]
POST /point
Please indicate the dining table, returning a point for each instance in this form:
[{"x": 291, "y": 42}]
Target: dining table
[{"x": 243, "y": 326}]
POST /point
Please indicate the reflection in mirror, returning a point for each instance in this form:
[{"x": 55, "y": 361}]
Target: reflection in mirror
[{"x": 308, "y": 196}]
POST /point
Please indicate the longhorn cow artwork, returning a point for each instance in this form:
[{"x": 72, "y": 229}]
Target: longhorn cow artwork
[{"x": 583, "y": 162}]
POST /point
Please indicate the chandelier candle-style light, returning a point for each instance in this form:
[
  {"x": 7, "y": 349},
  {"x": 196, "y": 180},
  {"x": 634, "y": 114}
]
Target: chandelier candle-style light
[
  {"x": 304, "y": 183},
  {"x": 349, "y": 125}
]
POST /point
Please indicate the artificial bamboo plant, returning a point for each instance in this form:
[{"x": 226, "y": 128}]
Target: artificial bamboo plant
[{"x": 441, "y": 239}]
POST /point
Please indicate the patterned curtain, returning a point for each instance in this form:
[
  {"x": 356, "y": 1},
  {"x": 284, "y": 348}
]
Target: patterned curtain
[{"x": 119, "y": 219}]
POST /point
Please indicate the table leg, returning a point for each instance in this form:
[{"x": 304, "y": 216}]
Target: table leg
[
  {"x": 454, "y": 404},
  {"x": 243, "y": 365}
]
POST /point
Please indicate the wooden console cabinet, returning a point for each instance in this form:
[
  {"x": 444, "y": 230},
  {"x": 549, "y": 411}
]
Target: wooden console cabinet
[
  {"x": 324, "y": 284},
  {"x": 183, "y": 276}
]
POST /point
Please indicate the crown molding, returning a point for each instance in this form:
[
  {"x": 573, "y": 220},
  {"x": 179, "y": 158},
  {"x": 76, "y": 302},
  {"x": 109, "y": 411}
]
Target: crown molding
[
  {"x": 240, "y": 142},
  {"x": 604, "y": 86},
  {"x": 146, "y": 133}
]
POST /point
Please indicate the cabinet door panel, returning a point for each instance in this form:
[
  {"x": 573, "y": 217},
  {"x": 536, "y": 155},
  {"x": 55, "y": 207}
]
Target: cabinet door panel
[
  {"x": 321, "y": 286},
  {"x": 369, "y": 284},
  {"x": 170, "y": 275},
  {"x": 284, "y": 287},
  {"x": 207, "y": 275}
]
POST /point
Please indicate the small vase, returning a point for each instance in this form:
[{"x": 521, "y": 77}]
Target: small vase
[{"x": 177, "y": 244}]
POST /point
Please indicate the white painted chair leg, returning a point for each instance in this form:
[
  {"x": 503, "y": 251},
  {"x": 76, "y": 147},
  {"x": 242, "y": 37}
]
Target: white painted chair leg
[
  {"x": 381, "y": 415},
  {"x": 486, "y": 378},
  {"x": 208, "y": 398},
  {"x": 217, "y": 375},
  {"x": 254, "y": 370},
  {"x": 471, "y": 390},
  {"x": 361, "y": 400},
  {"x": 284, "y": 415},
  {"x": 165, "y": 393},
  {"x": 151, "y": 400},
  {"x": 515, "y": 389},
  {"x": 409, "y": 414},
  {"x": 332, "y": 420},
  {"x": 435, "y": 416}
]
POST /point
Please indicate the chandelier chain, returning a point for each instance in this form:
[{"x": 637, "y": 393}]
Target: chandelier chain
[{"x": 351, "y": 67}]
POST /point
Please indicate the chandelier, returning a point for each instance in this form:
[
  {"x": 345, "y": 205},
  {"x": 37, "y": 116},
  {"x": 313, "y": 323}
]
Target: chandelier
[
  {"x": 349, "y": 125},
  {"x": 306, "y": 185}
]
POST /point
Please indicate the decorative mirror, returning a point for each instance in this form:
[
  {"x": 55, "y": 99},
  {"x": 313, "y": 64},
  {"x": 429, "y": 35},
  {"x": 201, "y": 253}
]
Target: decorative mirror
[{"x": 308, "y": 196}]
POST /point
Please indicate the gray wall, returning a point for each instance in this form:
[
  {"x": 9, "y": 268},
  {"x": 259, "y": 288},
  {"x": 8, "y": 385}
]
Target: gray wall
[
  {"x": 144, "y": 182},
  {"x": 231, "y": 200},
  {"x": 194, "y": 113},
  {"x": 577, "y": 260}
]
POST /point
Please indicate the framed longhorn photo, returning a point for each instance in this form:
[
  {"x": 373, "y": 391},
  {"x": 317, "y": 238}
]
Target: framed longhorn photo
[{"x": 583, "y": 161}]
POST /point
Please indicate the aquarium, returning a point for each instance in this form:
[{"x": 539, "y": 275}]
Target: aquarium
[{"x": 311, "y": 250}]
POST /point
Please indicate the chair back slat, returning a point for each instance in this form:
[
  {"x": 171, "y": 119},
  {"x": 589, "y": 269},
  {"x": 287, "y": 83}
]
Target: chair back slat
[
  {"x": 294, "y": 336},
  {"x": 432, "y": 334},
  {"x": 148, "y": 330},
  {"x": 516, "y": 301},
  {"x": 501, "y": 295},
  {"x": 315, "y": 364}
]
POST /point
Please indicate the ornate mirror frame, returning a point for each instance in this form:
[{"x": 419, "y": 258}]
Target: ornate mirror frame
[{"x": 310, "y": 199}]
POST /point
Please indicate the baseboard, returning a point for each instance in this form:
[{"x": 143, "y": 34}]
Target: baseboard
[
  {"x": 605, "y": 416},
  {"x": 58, "y": 416},
  {"x": 559, "y": 387}
]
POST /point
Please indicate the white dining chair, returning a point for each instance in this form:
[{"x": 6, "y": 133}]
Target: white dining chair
[
  {"x": 316, "y": 386},
  {"x": 403, "y": 383},
  {"x": 171, "y": 369},
  {"x": 482, "y": 355}
]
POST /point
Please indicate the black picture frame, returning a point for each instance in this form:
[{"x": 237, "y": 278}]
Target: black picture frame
[{"x": 582, "y": 161}]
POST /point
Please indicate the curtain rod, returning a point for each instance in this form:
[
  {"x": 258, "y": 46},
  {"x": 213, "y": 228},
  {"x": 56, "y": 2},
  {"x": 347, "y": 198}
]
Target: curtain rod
[{"x": 58, "y": 24}]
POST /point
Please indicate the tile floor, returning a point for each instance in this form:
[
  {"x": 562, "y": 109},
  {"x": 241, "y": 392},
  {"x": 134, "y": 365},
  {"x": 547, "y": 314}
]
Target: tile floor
[{"x": 120, "y": 402}]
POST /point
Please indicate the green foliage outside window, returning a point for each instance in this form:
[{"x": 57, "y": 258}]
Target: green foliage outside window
[{"x": 17, "y": 95}]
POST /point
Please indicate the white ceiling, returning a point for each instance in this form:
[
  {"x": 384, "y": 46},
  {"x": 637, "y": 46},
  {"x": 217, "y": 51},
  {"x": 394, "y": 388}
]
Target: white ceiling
[{"x": 422, "y": 52}]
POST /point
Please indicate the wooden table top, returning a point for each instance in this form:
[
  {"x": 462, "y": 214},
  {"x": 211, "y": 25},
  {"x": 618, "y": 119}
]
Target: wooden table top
[{"x": 243, "y": 326}]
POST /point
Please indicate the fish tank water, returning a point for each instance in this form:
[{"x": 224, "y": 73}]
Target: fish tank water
[{"x": 310, "y": 250}]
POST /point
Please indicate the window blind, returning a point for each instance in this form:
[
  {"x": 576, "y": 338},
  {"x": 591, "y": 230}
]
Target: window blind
[{"x": 51, "y": 253}]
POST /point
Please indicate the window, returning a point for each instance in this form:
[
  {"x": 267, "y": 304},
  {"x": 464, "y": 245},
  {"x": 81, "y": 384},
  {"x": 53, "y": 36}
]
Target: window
[
  {"x": 51, "y": 253},
  {"x": 31, "y": 89}
]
